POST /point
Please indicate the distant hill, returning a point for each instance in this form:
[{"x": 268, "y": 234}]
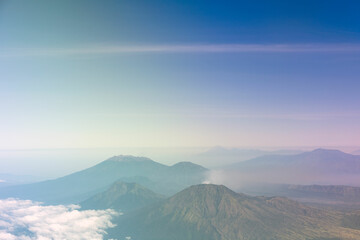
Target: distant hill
[
  {"x": 322, "y": 159},
  {"x": 214, "y": 212},
  {"x": 320, "y": 166},
  {"x": 81, "y": 185},
  {"x": 122, "y": 196},
  {"x": 219, "y": 156}
]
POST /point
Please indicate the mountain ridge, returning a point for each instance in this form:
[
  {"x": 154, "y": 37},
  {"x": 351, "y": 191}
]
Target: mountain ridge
[
  {"x": 78, "y": 186},
  {"x": 214, "y": 212},
  {"x": 320, "y": 166},
  {"x": 122, "y": 196}
]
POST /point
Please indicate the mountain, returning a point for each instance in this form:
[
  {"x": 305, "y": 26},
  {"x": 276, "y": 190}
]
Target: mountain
[
  {"x": 320, "y": 166},
  {"x": 218, "y": 156},
  {"x": 81, "y": 185},
  {"x": 322, "y": 159},
  {"x": 122, "y": 196},
  {"x": 214, "y": 212}
]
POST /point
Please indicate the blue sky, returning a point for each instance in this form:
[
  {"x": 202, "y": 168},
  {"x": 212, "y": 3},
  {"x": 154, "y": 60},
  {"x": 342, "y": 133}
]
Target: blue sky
[
  {"x": 82, "y": 22},
  {"x": 179, "y": 73}
]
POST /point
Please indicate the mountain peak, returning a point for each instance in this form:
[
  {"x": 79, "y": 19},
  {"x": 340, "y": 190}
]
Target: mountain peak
[
  {"x": 128, "y": 158},
  {"x": 187, "y": 165},
  {"x": 208, "y": 211},
  {"x": 209, "y": 187},
  {"x": 205, "y": 192},
  {"x": 326, "y": 152},
  {"x": 122, "y": 195}
]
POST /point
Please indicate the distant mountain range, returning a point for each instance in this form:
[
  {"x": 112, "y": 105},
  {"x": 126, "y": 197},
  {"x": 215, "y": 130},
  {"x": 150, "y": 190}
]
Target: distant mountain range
[
  {"x": 320, "y": 160},
  {"x": 320, "y": 166},
  {"x": 141, "y": 189},
  {"x": 122, "y": 196},
  {"x": 219, "y": 156},
  {"x": 214, "y": 212},
  {"x": 79, "y": 186}
]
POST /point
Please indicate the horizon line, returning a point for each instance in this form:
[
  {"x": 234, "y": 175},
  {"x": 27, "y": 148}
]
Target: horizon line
[{"x": 245, "y": 147}]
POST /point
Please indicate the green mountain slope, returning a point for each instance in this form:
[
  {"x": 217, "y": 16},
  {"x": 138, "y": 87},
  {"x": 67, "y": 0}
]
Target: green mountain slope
[{"x": 212, "y": 212}]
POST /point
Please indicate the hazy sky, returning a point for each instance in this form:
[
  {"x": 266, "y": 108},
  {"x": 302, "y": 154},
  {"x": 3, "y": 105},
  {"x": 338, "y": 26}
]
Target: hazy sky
[{"x": 77, "y": 74}]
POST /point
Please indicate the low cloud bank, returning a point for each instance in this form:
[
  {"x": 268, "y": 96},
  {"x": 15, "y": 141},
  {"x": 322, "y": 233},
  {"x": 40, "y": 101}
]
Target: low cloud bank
[{"x": 27, "y": 220}]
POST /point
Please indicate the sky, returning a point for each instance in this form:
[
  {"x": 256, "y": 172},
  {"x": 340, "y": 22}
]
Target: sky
[{"x": 108, "y": 74}]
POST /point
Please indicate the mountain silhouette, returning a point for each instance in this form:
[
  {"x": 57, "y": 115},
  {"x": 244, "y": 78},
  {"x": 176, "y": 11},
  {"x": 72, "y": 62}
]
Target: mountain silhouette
[
  {"x": 321, "y": 166},
  {"x": 81, "y": 185}
]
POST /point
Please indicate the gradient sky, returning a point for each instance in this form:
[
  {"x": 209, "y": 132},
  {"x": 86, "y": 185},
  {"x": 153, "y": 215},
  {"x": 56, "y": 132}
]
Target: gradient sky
[{"x": 85, "y": 74}]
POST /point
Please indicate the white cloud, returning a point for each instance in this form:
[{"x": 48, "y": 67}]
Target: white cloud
[
  {"x": 2, "y": 181},
  {"x": 27, "y": 220}
]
